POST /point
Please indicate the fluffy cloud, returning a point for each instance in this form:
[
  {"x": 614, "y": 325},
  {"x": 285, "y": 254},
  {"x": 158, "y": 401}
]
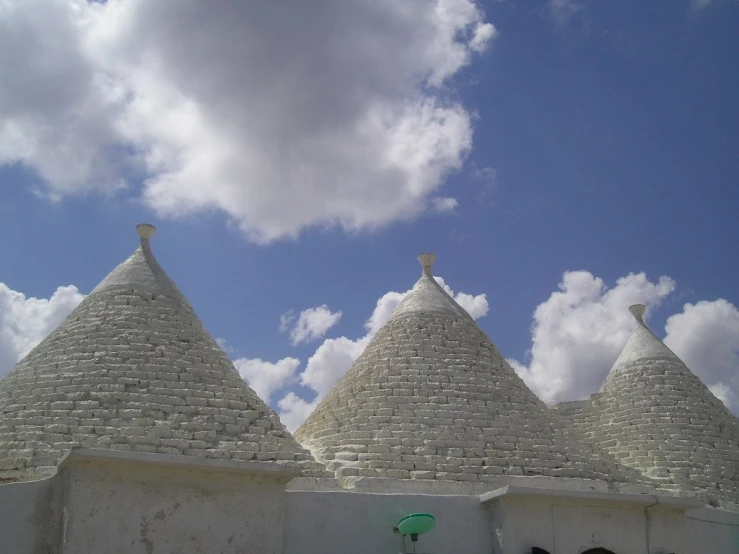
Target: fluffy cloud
[
  {"x": 281, "y": 115},
  {"x": 444, "y": 204},
  {"x": 475, "y": 305},
  {"x": 294, "y": 410},
  {"x": 579, "y": 331},
  {"x": 312, "y": 324},
  {"x": 24, "y": 322},
  {"x": 57, "y": 111},
  {"x": 706, "y": 337},
  {"x": 266, "y": 378},
  {"x": 334, "y": 356},
  {"x": 285, "y": 320}
]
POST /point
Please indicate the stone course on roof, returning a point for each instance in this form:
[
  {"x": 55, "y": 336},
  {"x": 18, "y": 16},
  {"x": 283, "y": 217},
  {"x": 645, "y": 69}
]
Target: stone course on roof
[
  {"x": 654, "y": 415},
  {"x": 132, "y": 368},
  {"x": 431, "y": 398}
]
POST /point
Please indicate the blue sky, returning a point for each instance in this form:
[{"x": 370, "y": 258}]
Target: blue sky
[{"x": 573, "y": 136}]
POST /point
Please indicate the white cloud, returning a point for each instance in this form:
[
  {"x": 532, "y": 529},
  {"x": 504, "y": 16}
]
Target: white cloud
[
  {"x": 579, "y": 331},
  {"x": 705, "y": 336},
  {"x": 24, "y": 322},
  {"x": 57, "y": 111},
  {"x": 285, "y": 320},
  {"x": 444, "y": 204},
  {"x": 280, "y": 115},
  {"x": 334, "y": 356},
  {"x": 313, "y": 324},
  {"x": 725, "y": 394},
  {"x": 266, "y": 378},
  {"x": 294, "y": 410},
  {"x": 475, "y": 305},
  {"x": 330, "y": 361}
]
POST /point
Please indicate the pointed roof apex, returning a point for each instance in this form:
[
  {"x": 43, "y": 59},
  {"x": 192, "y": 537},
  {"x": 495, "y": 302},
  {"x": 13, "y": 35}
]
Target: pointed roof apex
[
  {"x": 145, "y": 230},
  {"x": 427, "y": 296},
  {"x": 142, "y": 269},
  {"x": 427, "y": 262},
  {"x": 643, "y": 345}
]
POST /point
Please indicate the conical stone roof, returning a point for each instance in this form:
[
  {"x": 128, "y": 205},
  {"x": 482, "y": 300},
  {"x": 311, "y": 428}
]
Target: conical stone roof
[
  {"x": 656, "y": 416},
  {"x": 132, "y": 368},
  {"x": 432, "y": 398}
]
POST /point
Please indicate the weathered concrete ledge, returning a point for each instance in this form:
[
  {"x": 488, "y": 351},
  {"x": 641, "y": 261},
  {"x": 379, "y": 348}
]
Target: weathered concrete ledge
[
  {"x": 594, "y": 498},
  {"x": 714, "y": 515},
  {"x": 433, "y": 486},
  {"x": 281, "y": 471}
]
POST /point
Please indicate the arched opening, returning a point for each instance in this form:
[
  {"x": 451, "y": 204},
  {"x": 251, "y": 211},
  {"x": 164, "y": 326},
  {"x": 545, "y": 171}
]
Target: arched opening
[{"x": 598, "y": 551}]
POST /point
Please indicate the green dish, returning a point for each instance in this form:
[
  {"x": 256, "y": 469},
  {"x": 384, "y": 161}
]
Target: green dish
[{"x": 416, "y": 524}]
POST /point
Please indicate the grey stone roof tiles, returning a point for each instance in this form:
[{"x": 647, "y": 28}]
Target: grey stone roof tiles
[
  {"x": 432, "y": 398},
  {"x": 654, "y": 415},
  {"x": 133, "y": 368}
]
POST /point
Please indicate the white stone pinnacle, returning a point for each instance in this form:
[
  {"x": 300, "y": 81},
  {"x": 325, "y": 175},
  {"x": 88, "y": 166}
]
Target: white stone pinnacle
[
  {"x": 637, "y": 310},
  {"x": 145, "y": 230},
  {"x": 427, "y": 262}
]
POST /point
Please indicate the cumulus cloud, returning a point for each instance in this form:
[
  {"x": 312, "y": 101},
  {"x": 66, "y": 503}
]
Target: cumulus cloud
[
  {"x": 705, "y": 336},
  {"x": 579, "y": 331},
  {"x": 285, "y": 320},
  {"x": 312, "y": 324},
  {"x": 24, "y": 322},
  {"x": 266, "y": 378},
  {"x": 334, "y": 356},
  {"x": 280, "y": 115},
  {"x": 294, "y": 410},
  {"x": 57, "y": 110},
  {"x": 475, "y": 305},
  {"x": 443, "y": 204}
]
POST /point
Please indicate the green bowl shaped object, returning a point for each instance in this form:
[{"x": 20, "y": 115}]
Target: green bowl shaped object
[{"x": 416, "y": 524}]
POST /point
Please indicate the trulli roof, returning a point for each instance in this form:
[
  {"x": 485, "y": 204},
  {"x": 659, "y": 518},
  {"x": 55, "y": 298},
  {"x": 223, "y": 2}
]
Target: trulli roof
[
  {"x": 657, "y": 416},
  {"x": 133, "y": 368},
  {"x": 432, "y": 398}
]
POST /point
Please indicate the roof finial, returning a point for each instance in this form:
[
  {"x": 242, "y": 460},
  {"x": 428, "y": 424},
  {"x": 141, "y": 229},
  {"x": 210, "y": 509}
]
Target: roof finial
[
  {"x": 427, "y": 260},
  {"x": 145, "y": 230},
  {"x": 637, "y": 310}
]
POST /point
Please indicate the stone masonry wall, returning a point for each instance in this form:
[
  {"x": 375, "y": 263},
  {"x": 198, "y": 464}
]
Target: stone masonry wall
[
  {"x": 660, "y": 419},
  {"x": 432, "y": 398},
  {"x": 134, "y": 370}
]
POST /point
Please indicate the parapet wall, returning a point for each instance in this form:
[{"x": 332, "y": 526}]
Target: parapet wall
[
  {"x": 162, "y": 505},
  {"x": 31, "y": 517}
]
